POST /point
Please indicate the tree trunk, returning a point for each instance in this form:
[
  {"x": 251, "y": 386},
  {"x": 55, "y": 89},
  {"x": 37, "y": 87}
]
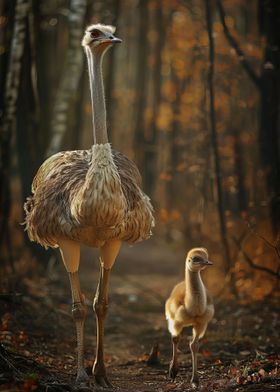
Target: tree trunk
[
  {"x": 8, "y": 121},
  {"x": 141, "y": 84},
  {"x": 239, "y": 170},
  {"x": 70, "y": 78},
  {"x": 109, "y": 85},
  {"x": 150, "y": 150},
  {"x": 214, "y": 140},
  {"x": 268, "y": 85},
  {"x": 269, "y": 16}
]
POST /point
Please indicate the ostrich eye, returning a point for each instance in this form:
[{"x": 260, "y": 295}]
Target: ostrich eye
[
  {"x": 95, "y": 34},
  {"x": 196, "y": 259}
]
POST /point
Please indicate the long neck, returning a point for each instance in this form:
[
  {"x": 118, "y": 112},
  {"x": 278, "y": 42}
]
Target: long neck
[
  {"x": 195, "y": 295},
  {"x": 97, "y": 97},
  {"x": 194, "y": 282}
]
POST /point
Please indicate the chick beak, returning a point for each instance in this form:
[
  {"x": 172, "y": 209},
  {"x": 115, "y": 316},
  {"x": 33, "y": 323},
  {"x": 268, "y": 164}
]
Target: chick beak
[{"x": 207, "y": 262}]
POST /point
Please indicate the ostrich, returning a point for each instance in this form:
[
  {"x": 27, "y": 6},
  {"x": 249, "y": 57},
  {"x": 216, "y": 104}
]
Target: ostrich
[
  {"x": 189, "y": 305},
  {"x": 90, "y": 197}
]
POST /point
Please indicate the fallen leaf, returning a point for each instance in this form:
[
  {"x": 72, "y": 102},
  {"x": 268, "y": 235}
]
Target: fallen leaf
[
  {"x": 245, "y": 353},
  {"x": 170, "y": 386},
  {"x": 206, "y": 353}
]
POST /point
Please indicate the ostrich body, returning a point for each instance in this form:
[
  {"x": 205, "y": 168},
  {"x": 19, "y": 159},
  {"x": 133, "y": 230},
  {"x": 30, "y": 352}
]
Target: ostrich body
[
  {"x": 90, "y": 197},
  {"x": 189, "y": 304}
]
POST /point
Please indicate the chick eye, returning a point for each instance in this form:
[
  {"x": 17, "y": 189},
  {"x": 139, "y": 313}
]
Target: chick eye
[
  {"x": 95, "y": 34},
  {"x": 196, "y": 259}
]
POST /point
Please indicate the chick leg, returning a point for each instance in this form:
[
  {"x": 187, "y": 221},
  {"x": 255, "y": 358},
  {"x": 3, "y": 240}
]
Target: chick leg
[
  {"x": 198, "y": 332},
  {"x": 174, "y": 367}
]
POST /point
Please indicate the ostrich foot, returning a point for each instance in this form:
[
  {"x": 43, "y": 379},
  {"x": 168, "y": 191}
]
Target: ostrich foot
[
  {"x": 195, "y": 382},
  {"x": 100, "y": 376},
  {"x": 102, "y": 381},
  {"x": 173, "y": 370}
]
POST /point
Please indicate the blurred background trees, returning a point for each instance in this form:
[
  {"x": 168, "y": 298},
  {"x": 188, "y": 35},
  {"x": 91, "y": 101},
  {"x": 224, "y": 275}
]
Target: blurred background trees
[{"x": 192, "y": 97}]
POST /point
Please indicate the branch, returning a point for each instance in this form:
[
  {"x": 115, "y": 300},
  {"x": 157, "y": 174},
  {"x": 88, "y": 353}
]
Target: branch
[
  {"x": 277, "y": 251},
  {"x": 241, "y": 56},
  {"x": 250, "y": 262}
]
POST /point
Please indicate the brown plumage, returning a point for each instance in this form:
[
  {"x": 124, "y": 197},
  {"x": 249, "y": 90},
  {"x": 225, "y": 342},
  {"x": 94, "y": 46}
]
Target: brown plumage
[
  {"x": 90, "y": 197},
  {"x": 59, "y": 208}
]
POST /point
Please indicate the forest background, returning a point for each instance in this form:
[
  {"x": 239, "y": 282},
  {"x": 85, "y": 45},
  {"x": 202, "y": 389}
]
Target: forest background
[
  {"x": 192, "y": 96},
  {"x": 202, "y": 124}
]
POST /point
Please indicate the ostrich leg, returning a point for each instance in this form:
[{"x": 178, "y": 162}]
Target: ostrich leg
[
  {"x": 70, "y": 252},
  {"x": 109, "y": 253}
]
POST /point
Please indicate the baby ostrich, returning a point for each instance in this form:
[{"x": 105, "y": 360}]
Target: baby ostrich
[
  {"x": 189, "y": 305},
  {"x": 90, "y": 197}
]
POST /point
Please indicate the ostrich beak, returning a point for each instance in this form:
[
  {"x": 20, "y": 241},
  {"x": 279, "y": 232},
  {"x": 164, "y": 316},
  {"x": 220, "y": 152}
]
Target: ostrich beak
[{"x": 115, "y": 40}]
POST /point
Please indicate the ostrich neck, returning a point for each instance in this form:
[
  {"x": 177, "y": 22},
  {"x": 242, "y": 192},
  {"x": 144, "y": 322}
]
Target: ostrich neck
[
  {"x": 97, "y": 97},
  {"x": 195, "y": 295}
]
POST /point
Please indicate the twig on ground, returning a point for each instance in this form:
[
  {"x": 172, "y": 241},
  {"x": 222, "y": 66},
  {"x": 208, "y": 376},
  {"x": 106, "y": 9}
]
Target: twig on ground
[{"x": 3, "y": 355}]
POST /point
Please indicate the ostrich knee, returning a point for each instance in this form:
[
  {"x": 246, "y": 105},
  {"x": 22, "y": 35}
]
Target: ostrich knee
[
  {"x": 79, "y": 315},
  {"x": 79, "y": 311},
  {"x": 100, "y": 307}
]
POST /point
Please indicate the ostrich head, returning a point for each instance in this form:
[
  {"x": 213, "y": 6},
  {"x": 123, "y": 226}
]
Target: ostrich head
[
  {"x": 99, "y": 37},
  {"x": 197, "y": 259}
]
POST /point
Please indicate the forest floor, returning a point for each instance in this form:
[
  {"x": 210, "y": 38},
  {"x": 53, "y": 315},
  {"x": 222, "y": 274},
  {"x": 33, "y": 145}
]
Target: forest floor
[{"x": 240, "y": 351}]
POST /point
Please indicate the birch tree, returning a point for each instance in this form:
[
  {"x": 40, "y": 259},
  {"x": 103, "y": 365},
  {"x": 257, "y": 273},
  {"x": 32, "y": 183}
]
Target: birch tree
[
  {"x": 8, "y": 120},
  {"x": 70, "y": 77}
]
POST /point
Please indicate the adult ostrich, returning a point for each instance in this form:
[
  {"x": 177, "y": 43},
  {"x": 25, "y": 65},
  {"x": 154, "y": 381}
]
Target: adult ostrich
[{"x": 90, "y": 197}]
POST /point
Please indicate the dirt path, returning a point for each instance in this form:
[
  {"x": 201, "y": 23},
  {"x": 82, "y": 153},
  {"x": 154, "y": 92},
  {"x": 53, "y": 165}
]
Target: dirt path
[{"x": 240, "y": 351}]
